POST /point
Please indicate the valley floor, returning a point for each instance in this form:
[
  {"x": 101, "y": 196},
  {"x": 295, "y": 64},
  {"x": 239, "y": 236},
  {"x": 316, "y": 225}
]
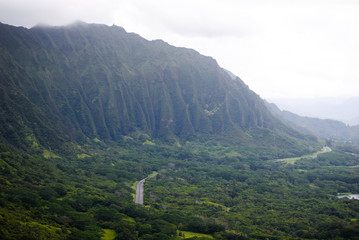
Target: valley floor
[{"x": 187, "y": 194}]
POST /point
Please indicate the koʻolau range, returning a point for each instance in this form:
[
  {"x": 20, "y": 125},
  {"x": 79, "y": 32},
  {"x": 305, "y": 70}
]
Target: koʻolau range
[{"x": 87, "y": 110}]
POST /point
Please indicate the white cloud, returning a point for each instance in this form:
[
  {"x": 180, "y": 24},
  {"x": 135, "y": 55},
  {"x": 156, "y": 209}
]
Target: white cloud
[
  {"x": 280, "y": 48},
  {"x": 56, "y": 12}
]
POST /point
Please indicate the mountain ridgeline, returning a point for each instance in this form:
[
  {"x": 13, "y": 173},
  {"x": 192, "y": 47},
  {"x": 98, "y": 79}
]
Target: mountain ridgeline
[
  {"x": 322, "y": 128},
  {"x": 87, "y": 81}
]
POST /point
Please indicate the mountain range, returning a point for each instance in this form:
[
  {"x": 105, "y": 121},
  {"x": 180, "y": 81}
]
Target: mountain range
[
  {"x": 322, "y": 128},
  {"x": 89, "y": 81},
  {"x": 88, "y": 110}
]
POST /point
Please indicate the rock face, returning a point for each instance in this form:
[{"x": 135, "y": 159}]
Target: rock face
[{"x": 95, "y": 81}]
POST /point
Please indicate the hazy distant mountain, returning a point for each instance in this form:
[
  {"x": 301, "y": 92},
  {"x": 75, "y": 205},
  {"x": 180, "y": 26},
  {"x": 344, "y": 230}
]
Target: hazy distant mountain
[
  {"x": 345, "y": 110},
  {"x": 323, "y": 128},
  {"x": 348, "y": 111},
  {"x": 88, "y": 81}
]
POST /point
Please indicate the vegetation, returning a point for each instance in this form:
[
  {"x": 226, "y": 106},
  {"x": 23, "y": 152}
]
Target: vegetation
[
  {"x": 191, "y": 235},
  {"x": 292, "y": 160},
  {"x": 108, "y": 234},
  {"x": 193, "y": 193},
  {"x": 86, "y": 111}
]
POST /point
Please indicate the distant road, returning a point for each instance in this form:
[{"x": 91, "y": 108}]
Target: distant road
[
  {"x": 325, "y": 149},
  {"x": 140, "y": 189},
  {"x": 139, "y": 192}
]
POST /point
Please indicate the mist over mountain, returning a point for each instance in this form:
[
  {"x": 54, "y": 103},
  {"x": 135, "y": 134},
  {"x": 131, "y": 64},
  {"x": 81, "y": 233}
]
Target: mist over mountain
[
  {"x": 87, "y": 81},
  {"x": 341, "y": 109},
  {"x": 323, "y": 128}
]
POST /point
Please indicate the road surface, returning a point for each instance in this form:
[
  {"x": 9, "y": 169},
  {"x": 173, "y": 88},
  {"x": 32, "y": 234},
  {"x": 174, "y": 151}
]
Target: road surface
[
  {"x": 140, "y": 187},
  {"x": 139, "y": 192},
  {"x": 292, "y": 160}
]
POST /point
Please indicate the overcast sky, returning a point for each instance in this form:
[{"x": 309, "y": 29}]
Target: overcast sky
[{"x": 281, "y": 49}]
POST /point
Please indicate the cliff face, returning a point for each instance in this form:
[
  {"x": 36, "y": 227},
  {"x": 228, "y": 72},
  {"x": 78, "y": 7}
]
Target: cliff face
[{"x": 87, "y": 80}]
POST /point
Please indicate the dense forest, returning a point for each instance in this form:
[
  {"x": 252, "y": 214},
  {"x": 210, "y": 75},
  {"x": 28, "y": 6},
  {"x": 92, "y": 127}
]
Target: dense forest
[
  {"x": 197, "y": 193},
  {"x": 86, "y": 111}
]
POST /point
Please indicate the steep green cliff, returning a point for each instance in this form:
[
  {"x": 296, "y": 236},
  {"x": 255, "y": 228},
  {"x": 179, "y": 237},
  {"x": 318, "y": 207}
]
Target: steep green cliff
[{"x": 87, "y": 81}]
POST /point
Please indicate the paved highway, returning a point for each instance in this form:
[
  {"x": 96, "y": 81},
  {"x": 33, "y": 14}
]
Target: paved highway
[
  {"x": 292, "y": 160},
  {"x": 140, "y": 187},
  {"x": 139, "y": 192}
]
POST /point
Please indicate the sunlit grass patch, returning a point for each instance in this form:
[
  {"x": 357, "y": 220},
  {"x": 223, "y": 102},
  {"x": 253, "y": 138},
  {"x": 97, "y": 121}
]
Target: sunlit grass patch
[
  {"x": 83, "y": 155},
  {"x": 148, "y": 142},
  {"x": 31, "y": 138},
  {"x": 108, "y": 234},
  {"x": 233, "y": 153},
  {"x": 47, "y": 154},
  {"x": 215, "y": 204},
  {"x": 128, "y": 219},
  {"x": 186, "y": 235}
]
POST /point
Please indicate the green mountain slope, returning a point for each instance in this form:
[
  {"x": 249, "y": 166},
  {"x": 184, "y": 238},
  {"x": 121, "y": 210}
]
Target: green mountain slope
[{"x": 87, "y": 81}]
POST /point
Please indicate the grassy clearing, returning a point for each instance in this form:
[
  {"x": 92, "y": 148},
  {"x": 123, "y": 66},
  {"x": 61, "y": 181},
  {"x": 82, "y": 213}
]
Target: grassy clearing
[
  {"x": 186, "y": 235},
  {"x": 148, "y": 142},
  {"x": 83, "y": 155},
  {"x": 31, "y": 139},
  {"x": 233, "y": 153},
  {"x": 215, "y": 204},
  {"x": 108, "y": 234},
  {"x": 129, "y": 219},
  {"x": 47, "y": 154}
]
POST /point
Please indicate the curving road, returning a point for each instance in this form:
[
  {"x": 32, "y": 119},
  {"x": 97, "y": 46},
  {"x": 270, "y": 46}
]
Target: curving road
[
  {"x": 139, "y": 192},
  {"x": 140, "y": 187},
  {"x": 292, "y": 160}
]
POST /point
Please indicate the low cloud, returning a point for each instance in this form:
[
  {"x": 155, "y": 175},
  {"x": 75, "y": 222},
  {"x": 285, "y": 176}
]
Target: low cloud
[
  {"x": 55, "y": 12},
  {"x": 271, "y": 45}
]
